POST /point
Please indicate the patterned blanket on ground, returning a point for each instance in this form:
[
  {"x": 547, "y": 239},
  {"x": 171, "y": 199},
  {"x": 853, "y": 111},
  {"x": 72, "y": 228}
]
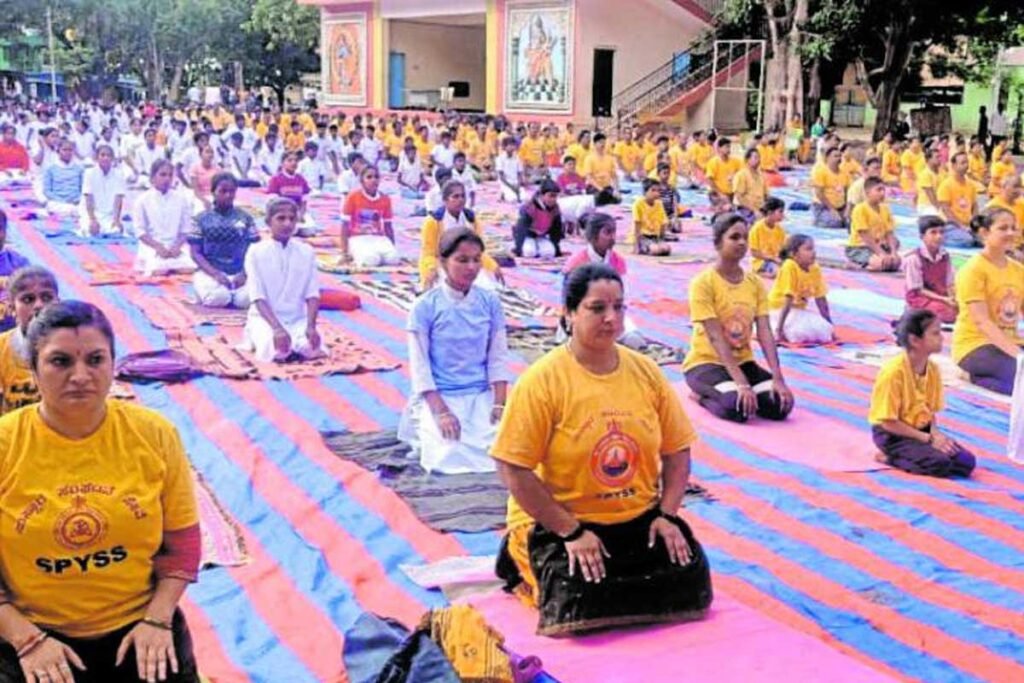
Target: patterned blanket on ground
[
  {"x": 215, "y": 355},
  {"x": 222, "y": 542},
  {"x": 522, "y": 310},
  {"x": 328, "y": 263},
  {"x": 445, "y": 502},
  {"x": 184, "y": 314},
  {"x": 531, "y": 344}
]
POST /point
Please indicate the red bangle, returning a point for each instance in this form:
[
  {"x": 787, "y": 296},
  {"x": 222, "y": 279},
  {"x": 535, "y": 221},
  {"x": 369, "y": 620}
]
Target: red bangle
[{"x": 31, "y": 644}]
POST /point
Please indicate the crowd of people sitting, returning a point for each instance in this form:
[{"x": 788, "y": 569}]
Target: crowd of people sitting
[{"x": 592, "y": 441}]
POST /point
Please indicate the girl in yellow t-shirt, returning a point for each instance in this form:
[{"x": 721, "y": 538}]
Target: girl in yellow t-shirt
[
  {"x": 989, "y": 292},
  {"x": 726, "y": 303},
  {"x": 595, "y": 448},
  {"x": 767, "y": 238},
  {"x": 800, "y": 280},
  {"x": 30, "y": 289},
  {"x": 905, "y": 400}
]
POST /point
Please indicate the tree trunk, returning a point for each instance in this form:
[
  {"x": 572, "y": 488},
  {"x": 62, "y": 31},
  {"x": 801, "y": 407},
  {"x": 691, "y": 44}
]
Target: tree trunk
[
  {"x": 179, "y": 73},
  {"x": 775, "y": 74},
  {"x": 784, "y": 80},
  {"x": 813, "y": 100},
  {"x": 885, "y": 96}
]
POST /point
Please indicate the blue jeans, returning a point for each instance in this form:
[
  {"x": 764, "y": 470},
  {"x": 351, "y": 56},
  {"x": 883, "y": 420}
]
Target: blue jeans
[{"x": 958, "y": 237}]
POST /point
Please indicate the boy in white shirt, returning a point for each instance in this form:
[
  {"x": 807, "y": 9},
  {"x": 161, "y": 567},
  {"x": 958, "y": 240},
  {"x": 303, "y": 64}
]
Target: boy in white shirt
[
  {"x": 510, "y": 171},
  {"x": 462, "y": 172},
  {"x": 370, "y": 147},
  {"x": 443, "y": 154},
  {"x": 240, "y": 161},
  {"x": 313, "y": 170},
  {"x": 269, "y": 155},
  {"x": 103, "y": 191},
  {"x": 348, "y": 181},
  {"x": 410, "y": 172}
]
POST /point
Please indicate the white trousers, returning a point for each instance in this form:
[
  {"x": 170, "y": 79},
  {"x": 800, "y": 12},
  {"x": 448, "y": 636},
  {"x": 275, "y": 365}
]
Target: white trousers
[
  {"x": 420, "y": 430},
  {"x": 106, "y": 221},
  {"x": 211, "y": 293},
  {"x": 371, "y": 251},
  {"x": 259, "y": 339},
  {"x": 510, "y": 195},
  {"x": 538, "y": 247},
  {"x": 61, "y": 208},
  {"x": 148, "y": 262},
  {"x": 804, "y": 326}
]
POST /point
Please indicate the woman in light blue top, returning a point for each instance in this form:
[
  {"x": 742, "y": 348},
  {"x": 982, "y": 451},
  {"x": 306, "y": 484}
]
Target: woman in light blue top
[{"x": 458, "y": 360}]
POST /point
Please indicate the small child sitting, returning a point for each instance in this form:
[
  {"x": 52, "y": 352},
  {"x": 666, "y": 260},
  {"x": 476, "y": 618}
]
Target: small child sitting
[
  {"x": 873, "y": 244},
  {"x": 313, "y": 170},
  {"x": 669, "y": 194},
  {"x": 290, "y": 184},
  {"x": 367, "y": 237},
  {"x": 650, "y": 222},
  {"x": 905, "y": 400},
  {"x": 510, "y": 171},
  {"x": 767, "y": 238},
  {"x": 281, "y": 277},
  {"x": 410, "y": 172},
  {"x": 348, "y": 181},
  {"x": 800, "y": 280},
  {"x": 929, "y": 272},
  {"x": 462, "y": 172},
  {"x": 571, "y": 182},
  {"x": 434, "y": 201}
]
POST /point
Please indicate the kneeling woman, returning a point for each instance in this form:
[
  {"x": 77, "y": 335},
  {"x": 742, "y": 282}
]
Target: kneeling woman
[
  {"x": 30, "y": 289},
  {"x": 459, "y": 364},
  {"x": 453, "y": 214},
  {"x": 595, "y": 449},
  {"x": 906, "y": 400},
  {"x": 725, "y": 304},
  {"x": 989, "y": 293},
  {"x": 102, "y": 531}
]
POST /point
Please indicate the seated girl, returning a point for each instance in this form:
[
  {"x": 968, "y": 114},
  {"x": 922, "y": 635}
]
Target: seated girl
[
  {"x": 800, "y": 280},
  {"x": 62, "y": 181},
  {"x": 30, "y": 289},
  {"x": 650, "y": 222},
  {"x": 285, "y": 298},
  {"x": 458, "y": 362},
  {"x": 594, "y": 447},
  {"x": 103, "y": 193},
  {"x": 200, "y": 179},
  {"x": 162, "y": 221},
  {"x": 538, "y": 231},
  {"x": 725, "y": 304},
  {"x": 599, "y": 229},
  {"x": 989, "y": 293},
  {"x": 218, "y": 243},
  {"x": 767, "y": 238},
  {"x": 289, "y": 184},
  {"x": 452, "y": 215},
  {"x": 906, "y": 400},
  {"x": 367, "y": 236}
]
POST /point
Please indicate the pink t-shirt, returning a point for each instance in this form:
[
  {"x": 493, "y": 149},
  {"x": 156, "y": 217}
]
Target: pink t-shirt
[
  {"x": 292, "y": 187},
  {"x": 203, "y": 178},
  {"x": 585, "y": 256}
]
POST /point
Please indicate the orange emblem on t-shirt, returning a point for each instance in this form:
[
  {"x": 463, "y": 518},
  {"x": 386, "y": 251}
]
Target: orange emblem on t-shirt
[
  {"x": 737, "y": 327},
  {"x": 613, "y": 460},
  {"x": 1009, "y": 309},
  {"x": 80, "y": 526}
]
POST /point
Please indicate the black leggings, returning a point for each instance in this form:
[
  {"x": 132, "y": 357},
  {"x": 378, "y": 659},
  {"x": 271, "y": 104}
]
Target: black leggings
[
  {"x": 990, "y": 368},
  {"x": 704, "y": 380},
  {"x": 99, "y": 654}
]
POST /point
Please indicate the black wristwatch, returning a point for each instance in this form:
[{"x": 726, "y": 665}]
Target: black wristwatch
[
  {"x": 575, "y": 535},
  {"x": 665, "y": 515}
]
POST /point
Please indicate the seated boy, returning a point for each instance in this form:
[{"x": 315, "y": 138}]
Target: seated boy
[
  {"x": 873, "y": 244},
  {"x": 650, "y": 221},
  {"x": 510, "y": 171},
  {"x": 571, "y": 182},
  {"x": 348, "y": 181},
  {"x": 282, "y": 279},
  {"x": 103, "y": 192},
  {"x": 929, "y": 272},
  {"x": 313, "y": 169},
  {"x": 465, "y": 175},
  {"x": 62, "y": 181}
]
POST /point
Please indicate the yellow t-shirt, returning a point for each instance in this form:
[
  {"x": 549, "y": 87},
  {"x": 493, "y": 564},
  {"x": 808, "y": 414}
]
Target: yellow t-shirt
[
  {"x": 866, "y": 219},
  {"x": 720, "y": 173},
  {"x": 833, "y": 185},
  {"x": 700, "y": 154},
  {"x": 749, "y": 190},
  {"x": 577, "y": 152},
  {"x": 851, "y": 167},
  {"x": 855, "y": 193},
  {"x": 651, "y": 218},
  {"x": 1002, "y": 291},
  {"x": 802, "y": 285},
  {"x": 926, "y": 179},
  {"x": 769, "y": 157},
  {"x": 600, "y": 170},
  {"x": 901, "y": 394},
  {"x": 976, "y": 166},
  {"x": 17, "y": 387},
  {"x": 910, "y": 161},
  {"x": 1018, "y": 213},
  {"x": 531, "y": 151},
  {"x": 628, "y": 154},
  {"x": 961, "y": 198},
  {"x": 1000, "y": 171},
  {"x": 766, "y": 239},
  {"x": 736, "y": 307},
  {"x": 891, "y": 166},
  {"x": 80, "y": 521},
  {"x": 595, "y": 441},
  {"x": 430, "y": 239},
  {"x": 680, "y": 160}
]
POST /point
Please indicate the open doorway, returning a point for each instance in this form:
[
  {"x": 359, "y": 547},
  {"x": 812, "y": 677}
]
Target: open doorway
[{"x": 426, "y": 54}]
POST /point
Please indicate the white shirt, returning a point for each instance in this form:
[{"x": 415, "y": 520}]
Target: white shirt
[
  {"x": 370, "y": 149},
  {"x": 997, "y": 124},
  {"x": 241, "y": 160},
  {"x": 104, "y": 188},
  {"x": 269, "y": 160},
  {"x": 130, "y": 142},
  {"x": 443, "y": 156},
  {"x": 314, "y": 172},
  {"x": 348, "y": 182},
  {"x": 284, "y": 276},
  {"x": 434, "y": 200},
  {"x": 510, "y": 167},
  {"x": 85, "y": 143},
  {"x": 164, "y": 216},
  {"x": 410, "y": 172},
  {"x": 466, "y": 178},
  {"x": 146, "y": 157}
]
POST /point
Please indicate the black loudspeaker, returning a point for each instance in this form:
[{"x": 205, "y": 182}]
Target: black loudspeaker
[
  {"x": 461, "y": 88},
  {"x": 601, "y": 93}
]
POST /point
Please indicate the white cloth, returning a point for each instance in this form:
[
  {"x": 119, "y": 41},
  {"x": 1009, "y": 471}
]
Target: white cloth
[
  {"x": 165, "y": 217},
  {"x": 315, "y": 173},
  {"x": 370, "y": 251},
  {"x": 574, "y": 207},
  {"x": 538, "y": 247},
  {"x": 997, "y": 124},
  {"x": 209, "y": 292},
  {"x": 104, "y": 188},
  {"x": 259, "y": 340},
  {"x": 145, "y": 157},
  {"x": 285, "y": 277},
  {"x": 443, "y": 156},
  {"x": 348, "y": 182},
  {"x": 804, "y": 326},
  {"x": 433, "y": 200},
  {"x": 467, "y": 178},
  {"x": 410, "y": 172},
  {"x": 1015, "y": 440},
  {"x": 470, "y": 453}
]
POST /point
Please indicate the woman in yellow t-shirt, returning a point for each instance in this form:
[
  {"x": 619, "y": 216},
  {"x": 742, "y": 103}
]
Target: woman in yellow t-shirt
[
  {"x": 725, "y": 305},
  {"x": 29, "y": 289},
  {"x": 767, "y": 238},
  {"x": 800, "y": 280},
  {"x": 749, "y": 188},
  {"x": 989, "y": 292},
  {"x": 906, "y": 400},
  {"x": 595, "y": 449},
  {"x": 101, "y": 529}
]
